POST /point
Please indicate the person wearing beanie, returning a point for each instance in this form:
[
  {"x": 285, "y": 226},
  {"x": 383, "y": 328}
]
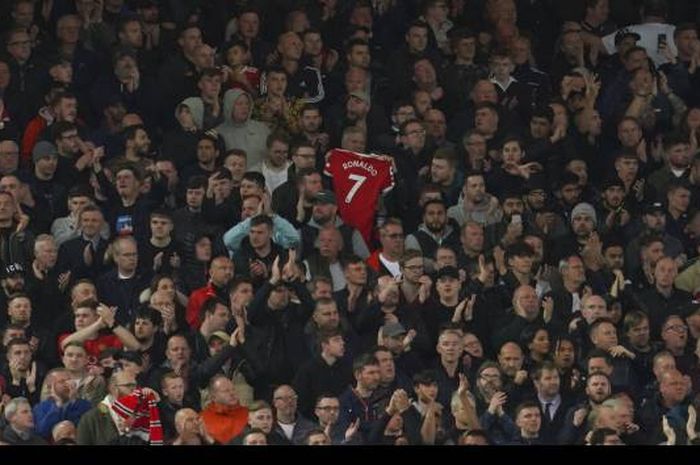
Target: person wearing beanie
[
  {"x": 582, "y": 238},
  {"x": 49, "y": 194},
  {"x": 583, "y": 209}
]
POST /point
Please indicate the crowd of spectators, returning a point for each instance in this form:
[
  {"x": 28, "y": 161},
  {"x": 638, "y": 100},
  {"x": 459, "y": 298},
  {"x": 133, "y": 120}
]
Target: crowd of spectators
[{"x": 175, "y": 266}]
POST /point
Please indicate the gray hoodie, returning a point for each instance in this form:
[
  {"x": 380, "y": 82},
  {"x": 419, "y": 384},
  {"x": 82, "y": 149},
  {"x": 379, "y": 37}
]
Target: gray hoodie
[
  {"x": 196, "y": 107},
  {"x": 250, "y": 136},
  {"x": 487, "y": 212}
]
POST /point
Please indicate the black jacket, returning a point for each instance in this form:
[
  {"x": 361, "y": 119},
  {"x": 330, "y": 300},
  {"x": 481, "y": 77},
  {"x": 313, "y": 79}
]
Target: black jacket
[
  {"x": 10, "y": 436},
  {"x": 71, "y": 258},
  {"x": 283, "y": 332},
  {"x": 122, "y": 293},
  {"x": 316, "y": 377}
]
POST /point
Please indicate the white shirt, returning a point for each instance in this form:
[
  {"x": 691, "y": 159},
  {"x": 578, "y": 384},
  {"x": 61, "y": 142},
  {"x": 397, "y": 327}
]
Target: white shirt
[
  {"x": 274, "y": 178},
  {"x": 337, "y": 276},
  {"x": 649, "y": 39},
  {"x": 393, "y": 267},
  {"x": 288, "y": 429},
  {"x": 678, "y": 173},
  {"x": 575, "y": 302},
  {"x": 511, "y": 80},
  {"x": 554, "y": 405}
]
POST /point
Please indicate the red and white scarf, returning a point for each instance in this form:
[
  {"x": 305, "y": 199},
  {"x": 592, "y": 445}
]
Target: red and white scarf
[{"x": 141, "y": 417}]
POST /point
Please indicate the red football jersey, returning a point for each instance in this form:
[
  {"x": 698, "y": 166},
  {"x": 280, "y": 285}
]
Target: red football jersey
[{"x": 358, "y": 181}]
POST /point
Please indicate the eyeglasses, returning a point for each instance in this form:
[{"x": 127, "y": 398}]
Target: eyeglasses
[{"x": 677, "y": 328}]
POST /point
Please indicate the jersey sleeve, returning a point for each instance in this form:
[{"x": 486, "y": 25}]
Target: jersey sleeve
[
  {"x": 388, "y": 182},
  {"x": 330, "y": 159}
]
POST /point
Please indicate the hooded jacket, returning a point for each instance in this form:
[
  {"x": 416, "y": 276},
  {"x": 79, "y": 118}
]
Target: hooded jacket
[
  {"x": 250, "y": 135},
  {"x": 487, "y": 212},
  {"x": 196, "y": 106}
]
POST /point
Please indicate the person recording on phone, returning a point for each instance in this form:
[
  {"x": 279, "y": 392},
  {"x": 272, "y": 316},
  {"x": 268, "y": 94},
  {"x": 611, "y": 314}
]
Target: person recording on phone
[
  {"x": 513, "y": 224},
  {"x": 655, "y": 33}
]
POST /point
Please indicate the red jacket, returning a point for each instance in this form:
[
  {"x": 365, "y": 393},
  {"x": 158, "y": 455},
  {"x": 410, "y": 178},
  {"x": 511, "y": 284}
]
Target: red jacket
[
  {"x": 373, "y": 260},
  {"x": 34, "y": 128},
  {"x": 194, "y": 305}
]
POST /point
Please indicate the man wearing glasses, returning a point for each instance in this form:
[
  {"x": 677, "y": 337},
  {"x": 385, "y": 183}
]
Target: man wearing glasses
[
  {"x": 386, "y": 259},
  {"x": 98, "y": 426},
  {"x": 290, "y": 427},
  {"x": 674, "y": 334},
  {"x": 327, "y": 411}
]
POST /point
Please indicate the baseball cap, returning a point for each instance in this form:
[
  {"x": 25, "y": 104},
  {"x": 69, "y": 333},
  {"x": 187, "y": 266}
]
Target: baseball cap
[
  {"x": 43, "y": 149},
  {"x": 325, "y": 196},
  {"x": 613, "y": 181},
  {"x": 655, "y": 207},
  {"x": 220, "y": 335},
  {"x": 12, "y": 269},
  {"x": 393, "y": 329},
  {"x": 623, "y": 33},
  {"x": 359, "y": 94}
]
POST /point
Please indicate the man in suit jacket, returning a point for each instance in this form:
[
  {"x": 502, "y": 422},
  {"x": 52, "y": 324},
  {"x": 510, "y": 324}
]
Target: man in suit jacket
[
  {"x": 553, "y": 405},
  {"x": 84, "y": 255}
]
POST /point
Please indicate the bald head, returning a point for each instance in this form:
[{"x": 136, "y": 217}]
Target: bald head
[
  {"x": 510, "y": 357},
  {"x": 673, "y": 387},
  {"x": 222, "y": 391},
  {"x": 182, "y": 417},
  {"x": 63, "y": 430},
  {"x": 525, "y": 302}
]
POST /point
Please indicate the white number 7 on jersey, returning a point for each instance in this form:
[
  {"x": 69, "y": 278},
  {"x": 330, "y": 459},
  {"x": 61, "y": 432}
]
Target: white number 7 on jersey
[{"x": 359, "y": 180}]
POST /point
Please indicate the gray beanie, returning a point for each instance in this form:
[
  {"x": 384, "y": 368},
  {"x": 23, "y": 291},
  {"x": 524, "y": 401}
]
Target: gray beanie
[{"x": 584, "y": 208}]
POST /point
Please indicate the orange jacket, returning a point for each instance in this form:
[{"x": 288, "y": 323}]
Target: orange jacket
[{"x": 224, "y": 422}]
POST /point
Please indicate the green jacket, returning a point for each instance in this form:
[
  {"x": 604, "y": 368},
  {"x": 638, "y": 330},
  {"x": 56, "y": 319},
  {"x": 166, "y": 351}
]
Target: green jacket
[{"x": 96, "y": 427}]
